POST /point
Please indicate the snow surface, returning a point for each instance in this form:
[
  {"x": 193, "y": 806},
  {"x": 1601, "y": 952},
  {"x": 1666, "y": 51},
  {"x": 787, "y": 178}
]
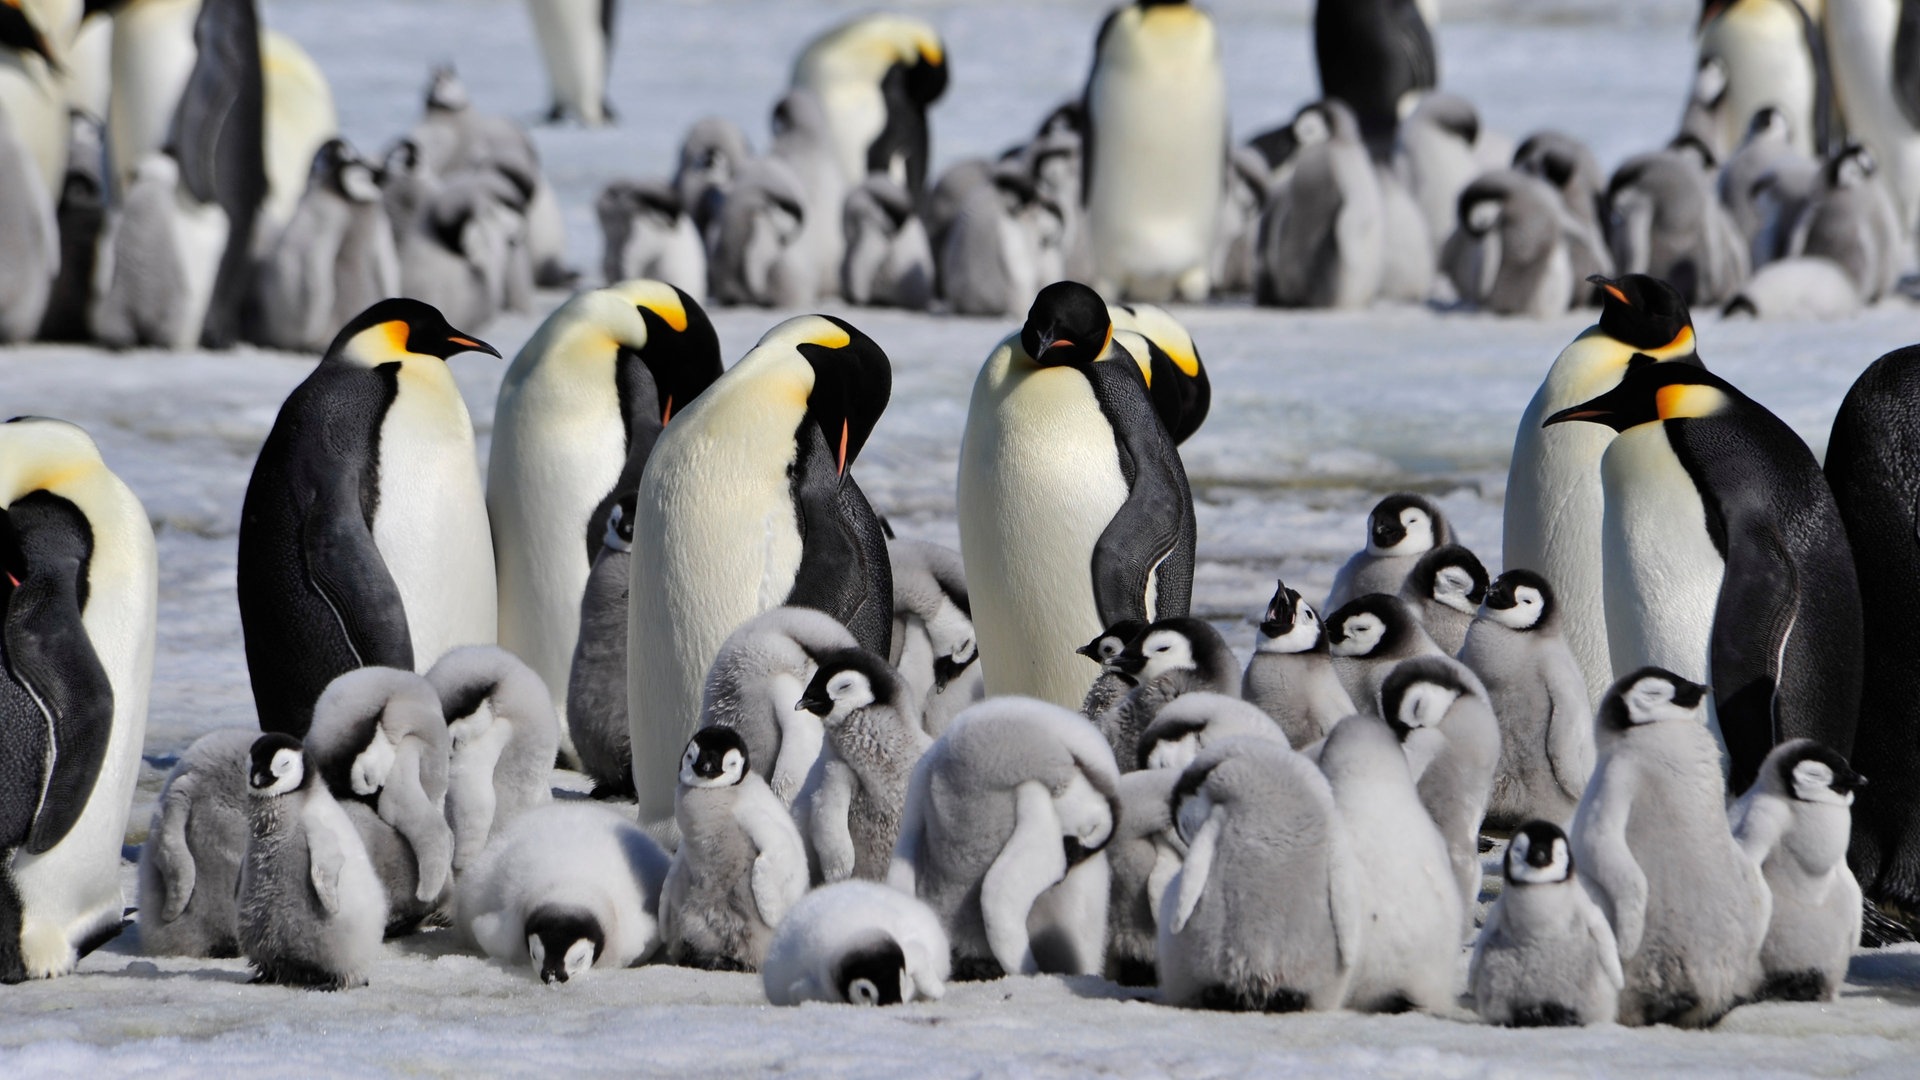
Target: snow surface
[{"x": 1315, "y": 416}]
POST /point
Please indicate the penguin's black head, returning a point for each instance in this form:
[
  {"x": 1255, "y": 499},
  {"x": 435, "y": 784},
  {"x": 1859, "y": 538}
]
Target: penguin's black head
[
  {"x": 872, "y": 973},
  {"x": 1648, "y": 696},
  {"x": 1655, "y": 392},
  {"x": 1690, "y": 145},
  {"x": 1418, "y": 692},
  {"x": 1405, "y": 524},
  {"x": 1815, "y": 773},
  {"x": 846, "y": 680},
  {"x": 1478, "y": 210},
  {"x": 394, "y": 329},
  {"x": 1068, "y": 324},
  {"x": 1451, "y": 575},
  {"x": 1163, "y": 739},
  {"x": 1850, "y": 166},
  {"x": 682, "y": 353},
  {"x": 1645, "y": 314},
  {"x": 445, "y": 91},
  {"x": 852, "y": 382},
  {"x": 1539, "y": 855},
  {"x": 277, "y": 764},
  {"x": 1372, "y": 625},
  {"x": 1168, "y": 645},
  {"x": 1771, "y": 121},
  {"x": 1106, "y": 648},
  {"x": 1278, "y": 619},
  {"x": 563, "y": 941},
  {"x": 1521, "y": 600},
  {"x": 925, "y": 75},
  {"x": 715, "y": 757}
]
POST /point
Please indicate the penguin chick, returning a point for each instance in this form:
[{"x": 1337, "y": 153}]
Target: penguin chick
[
  {"x": 1112, "y": 684},
  {"x": 647, "y": 233},
  {"x": 1169, "y": 658},
  {"x": 857, "y": 943},
  {"x": 501, "y": 761},
  {"x": 757, "y": 678},
  {"x": 1795, "y": 822},
  {"x": 1400, "y": 529},
  {"x": 1323, "y": 237},
  {"x": 1192, "y": 722},
  {"x": 565, "y": 887},
  {"x": 191, "y": 860},
  {"x": 1440, "y": 712},
  {"x": 1445, "y": 589},
  {"x": 1516, "y": 252},
  {"x": 1666, "y": 220},
  {"x": 1142, "y": 857},
  {"x": 1689, "y": 908},
  {"x": 597, "y": 678},
  {"x": 309, "y": 909},
  {"x": 1266, "y": 912},
  {"x": 1291, "y": 676},
  {"x": 1546, "y": 957},
  {"x": 934, "y": 647},
  {"x": 712, "y": 154},
  {"x": 1569, "y": 167},
  {"x": 1008, "y": 813},
  {"x": 1539, "y": 698},
  {"x": 1368, "y": 637},
  {"x": 740, "y": 866},
  {"x": 889, "y": 261},
  {"x": 757, "y": 257},
  {"x": 873, "y": 739}
]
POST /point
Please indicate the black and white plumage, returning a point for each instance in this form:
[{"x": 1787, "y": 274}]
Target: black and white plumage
[
  {"x": 1324, "y": 234},
  {"x": 755, "y": 687},
  {"x": 857, "y": 943},
  {"x": 1666, "y": 220},
  {"x": 335, "y": 258},
  {"x": 1569, "y": 167},
  {"x": 1192, "y": 722},
  {"x": 1372, "y": 54},
  {"x": 576, "y": 45},
  {"x": 503, "y": 740},
  {"x": 1368, "y": 637},
  {"x": 1517, "y": 251},
  {"x": 1291, "y": 675},
  {"x": 1546, "y": 956},
  {"x": 889, "y": 260},
  {"x": 1169, "y": 658},
  {"x": 1142, "y": 856},
  {"x": 646, "y": 232},
  {"x": 873, "y": 739},
  {"x": 1112, "y": 684},
  {"x": 934, "y": 648},
  {"x": 190, "y": 864},
  {"x": 597, "y": 678},
  {"x": 1400, "y": 529},
  {"x": 1440, "y": 712},
  {"x": 1445, "y": 588}
]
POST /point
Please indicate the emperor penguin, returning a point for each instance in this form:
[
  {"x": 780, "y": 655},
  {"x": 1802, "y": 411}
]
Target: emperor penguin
[
  {"x": 1665, "y": 218},
  {"x": 1436, "y": 152},
  {"x": 153, "y": 54},
  {"x": 1445, "y": 588},
  {"x": 565, "y": 888},
  {"x": 889, "y": 261},
  {"x": 1439, "y": 710},
  {"x": 1372, "y": 55},
  {"x": 740, "y": 866},
  {"x": 297, "y": 119},
  {"x": 1400, "y": 530},
  {"x": 1142, "y": 856},
  {"x": 873, "y": 741},
  {"x": 649, "y": 233},
  {"x": 77, "y": 601},
  {"x": 934, "y": 647},
  {"x": 857, "y": 943},
  {"x": 1196, "y": 721},
  {"x": 1368, "y": 636},
  {"x": 596, "y": 716},
  {"x": 1765, "y": 184},
  {"x": 803, "y": 143},
  {"x": 1514, "y": 250},
  {"x": 1794, "y": 822},
  {"x": 712, "y": 154},
  {"x": 1868, "y": 454},
  {"x": 577, "y": 415},
  {"x": 1168, "y": 659},
  {"x": 1267, "y": 912},
  {"x": 755, "y": 685},
  {"x": 1518, "y": 647},
  {"x": 157, "y": 262},
  {"x": 1170, "y": 362},
  {"x": 1007, "y": 817},
  {"x": 1546, "y": 956},
  {"x": 30, "y": 233},
  {"x": 1569, "y": 167},
  {"x": 576, "y": 44},
  {"x": 1774, "y": 55},
  {"x": 756, "y": 240},
  {"x": 1652, "y": 839},
  {"x": 1291, "y": 675},
  {"x": 1408, "y": 900},
  {"x": 333, "y": 259},
  {"x": 1719, "y": 518},
  {"x": 190, "y": 863},
  {"x": 80, "y": 212},
  {"x": 1004, "y": 240},
  {"x": 1812, "y": 288},
  {"x": 1074, "y": 508},
  {"x": 1112, "y": 684},
  {"x": 310, "y": 909},
  {"x": 1874, "y": 46},
  {"x": 1555, "y": 501},
  {"x": 876, "y": 76},
  {"x": 363, "y": 538},
  {"x": 1323, "y": 236},
  {"x": 504, "y": 738},
  {"x": 1850, "y": 219},
  {"x": 1156, "y": 151},
  {"x": 33, "y": 66}
]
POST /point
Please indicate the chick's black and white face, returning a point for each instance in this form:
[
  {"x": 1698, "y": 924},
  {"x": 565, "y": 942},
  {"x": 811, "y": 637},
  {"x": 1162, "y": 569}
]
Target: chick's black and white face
[
  {"x": 577, "y": 958},
  {"x": 1176, "y": 753},
  {"x": 1454, "y": 586},
  {"x": 1481, "y": 217},
  {"x": 712, "y": 763},
  {"x": 1301, "y": 635},
  {"x": 1524, "y": 612},
  {"x": 1533, "y": 859},
  {"x": 1813, "y": 781},
  {"x": 282, "y": 773},
  {"x": 1655, "y": 700},
  {"x": 1425, "y": 704},
  {"x": 1407, "y": 531},
  {"x": 1165, "y": 651},
  {"x": 1360, "y": 634},
  {"x": 849, "y": 690}
]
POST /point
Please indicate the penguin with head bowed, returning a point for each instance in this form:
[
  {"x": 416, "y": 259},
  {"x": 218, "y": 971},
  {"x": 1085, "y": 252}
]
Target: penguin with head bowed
[
  {"x": 1112, "y": 684},
  {"x": 578, "y": 413},
  {"x": 1400, "y": 529},
  {"x": 754, "y": 687},
  {"x": 1546, "y": 956},
  {"x": 1368, "y": 637},
  {"x": 1875, "y": 50},
  {"x": 30, "y": 234},
  {"x": 1323, "y": 237},
  {"x": 190, "y": 863},
  {"x": 503, "y": 739},
  {"x": 1142, "y": 856},
  {"x": 1008, "y": 815},
  {"x": 1167, "y": 659},
  {"x": 1155, "y": 153},
  {"x": 1517, "y": 646},
  {"x": 157, "y": 264},
  {"x": 1652, "y": 841},
  {"x": 1372, "y": 54},
  {"x": 1439, "y": 710},
  {"x": 363, "y": 538},
  {"x": 803, "y": 143},
  {"x": 1005, "y": 237},
  {"x": 934, "y": 647},
  {"x": 596, "y": 716},
  {"x": 712, "y": 154},
  {"x": 740, "y": 866},
  {"x": 1794, "y": 822},
  {"x": 77, "y": 602},
  {"x": 747, "y": 504},
  {"x": 758, "y": 256},
  {"x": 576, "y": 44},
  {"x": 873, "y": 739},
  {"x": 889, "y": 261},
  {"x": 1169, "y": 361},
  {"x": 1437, "y": 152},
  {"x": 1555, "y": 502},
  {"x": 1718, "y": 517},
  {"x": 1074, "y": 508},
  {"x": 1445, "y": 588},
  {"x": 876, "y": 76},
  {"x": 1291, "y": 676},
  {"x": 857, "y": 943},
  {"x": 1765, "y": 184},
  {"x": 1193, "y": 722},
  {"x": 647, "y": 232}
]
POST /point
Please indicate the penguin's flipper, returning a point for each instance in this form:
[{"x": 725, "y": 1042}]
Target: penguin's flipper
[
  {"x": 326, "y": 855},
  {"x": 1196, "y": 869},
  {"x": 1906, "y": 62},
  {"x": 1605, "y": 943},
  {"x": 827, "y": 823},
  {"x": 1753, "y": 623},
  {"x": 904, "y": 871},
  {"x": 1344, "y": 891},
  {"x": 345, "y": 568},
  {"x": 1030, "y": 862},
  {"x": 1148, "y": 546},
  {"x": 173, "y": 857},
  {"x": 1570, "y": 749},
  {"x": 1608, "y": 868},
  {"x": 404, "y": 804},
  {"x": 779, "y": 876},
  {"x": 844, "y": 570},
  {"x": 224, "y": 34}
]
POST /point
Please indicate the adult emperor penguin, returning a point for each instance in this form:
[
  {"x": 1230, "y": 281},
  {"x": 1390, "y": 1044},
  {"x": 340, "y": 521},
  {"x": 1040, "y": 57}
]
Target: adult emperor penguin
[
  {"x": 1156, "y": 151},
  {"x": 746, "y": 505},
  {"x": 1719, "y": 519},
  {"x": 363, "y": 538},
  {"x": 577, "y": 416},
  {"x": 1874, "y": 442},
  {"x": 1773, "y": 54},
  {"x": 1546, "y": 957},
  {"x": 1875, "y": 49},
  {"x": 77, "y": 602},
  {"x": 857, "y": 943},
  {"x": 1170, "y": 362},
  {"x": 876, "y": 76},
  {"x": 1401, "y": 529},
  {"x": 1372, "y": 54},
  {"x": 576, "y": 42},
  {"x": 32, "y": 68},
  {"x": 1074, "y": 507},
  {"x": 1554, "y": 499}
]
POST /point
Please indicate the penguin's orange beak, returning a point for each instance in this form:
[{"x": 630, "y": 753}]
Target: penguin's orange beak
[
  {"x": 472, "y": 344},
  {"x": 841, "y": 464}
]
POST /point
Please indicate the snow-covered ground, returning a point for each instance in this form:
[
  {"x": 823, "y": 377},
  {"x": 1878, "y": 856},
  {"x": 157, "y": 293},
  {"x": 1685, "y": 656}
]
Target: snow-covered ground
[{"x": 1314, "y": 417}]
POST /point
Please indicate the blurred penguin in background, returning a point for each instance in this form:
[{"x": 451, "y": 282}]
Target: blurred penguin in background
[
  {"x": 1372, "y": 54},
  {"x": 335, "y": 259},
  {"x": 649, "y": 233},
  {"x": 1769, "y": 54},
  {"x": 1665, "y": 220},
  {"x": 1875, "y": 47},
  {"x": 576, "y": 43},
  {"x": 875, "y": 77}
]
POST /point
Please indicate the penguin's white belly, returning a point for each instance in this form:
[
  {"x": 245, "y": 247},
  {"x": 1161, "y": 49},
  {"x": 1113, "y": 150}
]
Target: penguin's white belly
[
  {"x": 88, "y": 85},
  {"x": 153, "y": 55},
  {"x": 575, "y": 53},
  {"x": 199, "y": 240},
  {"x": 299, "y": 118},
  {"x": 1764, "y": 48},
  {"x": 856, "y": 115},
  {"x": 431, "y": 522},
  {"x": 1662, "y": 572},
  {"x": 1860, "y": 37},
  {"x": 1039, "y": 481},
  {"x": 36, "y": 110}
]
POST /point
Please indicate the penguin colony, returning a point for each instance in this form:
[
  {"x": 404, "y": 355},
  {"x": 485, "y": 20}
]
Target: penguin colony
[{"x": 866, "y": 767}]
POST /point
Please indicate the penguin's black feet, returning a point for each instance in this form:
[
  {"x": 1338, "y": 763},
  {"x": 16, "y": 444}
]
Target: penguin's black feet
[
  {"x": 1886, "y": 922},
  {"x": 1794, "y": 986},
  {"x": 1544, "y": 1014},
  {"x": 977, "y": 969},
  {"x": 1285, "y": 1000},
  {"x": 1133, "y": 971}
]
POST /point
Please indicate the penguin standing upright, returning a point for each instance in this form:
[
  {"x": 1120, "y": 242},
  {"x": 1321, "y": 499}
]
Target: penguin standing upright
[
  {"x": 746, "y": 504},
  {"x": 363, "y": 538},
  {"x": 1718, "y": 519},
  {"x": 876, "y": 76},
  {"x": 1773, "y": 55},
  {"x": 1156, "y": 153},
  {"x": 31, "y": 98},
  {"x": 1875, "y": 46},
  {"x": 1554, "y": 501},
  {"x": 1074, "y": 509},
  {"x": 30, "y": 235},
  {"x": 77, "y": 599},
  {"x": 576, "y": 42},
  {"x": 1372, "y": 54},
  {"x": 578, "y": 412}
]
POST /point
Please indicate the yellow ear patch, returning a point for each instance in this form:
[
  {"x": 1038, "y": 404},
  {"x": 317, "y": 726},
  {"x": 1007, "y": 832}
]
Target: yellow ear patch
[
  {"x": 1681, "y": 345},
  {"x": 657, "y": 297},
  {"x": 829, "y": 336},
  {"x": 49, "y": 476},
  {"x": 1688, "y": 400}
]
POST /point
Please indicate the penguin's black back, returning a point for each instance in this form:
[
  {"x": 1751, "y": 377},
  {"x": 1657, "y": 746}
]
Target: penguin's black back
[
  {"x": 1153, "y": 531},
  {"x": 1371, "y": 53}
]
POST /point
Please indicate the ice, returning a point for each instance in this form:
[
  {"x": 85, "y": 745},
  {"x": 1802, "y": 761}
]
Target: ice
[{"x": 1314, "y": 418}]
